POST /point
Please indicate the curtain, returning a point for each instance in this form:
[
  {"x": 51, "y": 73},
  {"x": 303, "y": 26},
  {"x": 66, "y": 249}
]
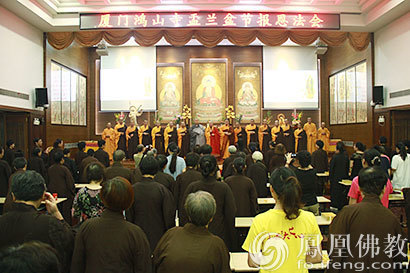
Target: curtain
[{"x": 208, "y": 37}]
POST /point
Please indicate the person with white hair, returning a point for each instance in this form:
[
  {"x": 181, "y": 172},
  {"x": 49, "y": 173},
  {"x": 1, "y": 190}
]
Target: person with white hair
[
  {"x": 259, "y": 174},
  {"x": 227, "y": 169},
  {"x": 192, "y": 246}
]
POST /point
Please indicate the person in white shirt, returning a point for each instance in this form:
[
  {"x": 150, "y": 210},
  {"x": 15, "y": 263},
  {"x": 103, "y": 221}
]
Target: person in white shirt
[
  {"x": 401, "y": 168},
  {"x": 176, "y": 165}
]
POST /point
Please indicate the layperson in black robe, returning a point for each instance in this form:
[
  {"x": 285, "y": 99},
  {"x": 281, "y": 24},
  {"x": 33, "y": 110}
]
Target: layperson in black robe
[
  {"x": 38, "y": 142},
  {"x": 58, "y": 146},
  {"x": 153, "y": 209},
  {"x": 158, "y": 138},
  {"x": 259, "y": 175},
  {"x": 227, "y": 166},
  {"x": 81, "y": 154},
  {"x": 302, "y": 143},
  {"x": 36, "y": 163},
  {"x": 183, "y": 181},
  {"x": 193, "y": 248},
  {"x": 339, "y": 170},
  {"x": 23, "y": 222},
  {"x": 320, "y": 162},
  {"x": 163, "y": 178},
  {"x": 83, "y": 166},
  {"x": 117, "y": 169},
  {"x": 223, "y": 223},
  {"x": 278, "y": 158},
  {"x": 9, "y": 153},
  {"x": 62, "y": 182},
  {"x": 5, "y": 172},
  {"x": 101, "y": 155},
  {"x": 268, "y": 154},
  {"x": 243, "y": 190},
  {"x": 110, "y": 243},
  {"x": 70, "y": 164},
  {"x": 145, "y": 134}
]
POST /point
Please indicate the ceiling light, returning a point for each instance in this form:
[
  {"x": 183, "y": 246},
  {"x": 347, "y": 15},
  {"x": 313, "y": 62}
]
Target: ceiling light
[{"x": 172, "y": 1}]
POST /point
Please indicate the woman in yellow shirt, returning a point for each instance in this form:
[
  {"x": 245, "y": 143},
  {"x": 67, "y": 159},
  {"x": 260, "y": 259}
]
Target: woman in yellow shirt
[{"x": 284, "y": 238}]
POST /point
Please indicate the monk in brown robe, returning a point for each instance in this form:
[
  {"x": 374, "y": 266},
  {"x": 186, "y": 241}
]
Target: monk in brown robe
[{"x": 264, "y": 136}]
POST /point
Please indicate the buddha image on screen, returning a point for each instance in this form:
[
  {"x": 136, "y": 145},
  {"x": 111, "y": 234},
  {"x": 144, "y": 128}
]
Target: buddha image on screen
[
  {"x": 169, "y": 95},
  {"x": 247, "y": 95},
  {"x": 209, "y": 92}
]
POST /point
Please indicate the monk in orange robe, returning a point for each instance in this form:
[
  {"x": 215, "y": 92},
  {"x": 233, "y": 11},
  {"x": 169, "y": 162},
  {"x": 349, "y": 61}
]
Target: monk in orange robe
[
  {"x": 228, "y": 138},
  {"x": 323, "y": 134},
  {"x": 215, "y": 140},
  {"x": 157, "y": 134},
  {"x": 183, "y": 139},
  {"x": 120, "y": 128},
  {"x": 275, "y": 131},
  {"x": 208, "y": 132},
  {"x": 109, "y": 135},
  {"x": 145, "y": 134},
  {"x": 251, "y": 132},
  {"x": 170, "y": 135},
  {"x": 132, "y": 139},
  {"x": 310, "y": 129},
  {"x": 300, "y": 139}
]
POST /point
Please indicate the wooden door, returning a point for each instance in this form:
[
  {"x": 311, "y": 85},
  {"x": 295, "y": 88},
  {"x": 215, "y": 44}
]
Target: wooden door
[{"x": 17, "y": 130}]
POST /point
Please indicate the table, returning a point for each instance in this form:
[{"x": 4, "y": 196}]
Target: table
[
  {"x": 239, "y": 262},
  {"x": 59, "y": 200},
  {"x": 396, "y": 197},
  {"x": 325, "y": 174},
  {"x": 346, "y": 182},
  {"x": 323, "y": 220},
  {"x": 80, "y": 186},
  {"x": 271, "y": 201}
]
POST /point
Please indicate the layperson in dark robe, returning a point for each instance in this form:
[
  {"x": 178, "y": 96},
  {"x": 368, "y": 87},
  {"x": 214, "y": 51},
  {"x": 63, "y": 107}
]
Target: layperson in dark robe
[
  {"x": 145, "y": 134},
  {"x": 183, "y": 139},
  {"x": 356, "y": 159},
  {"x": 132, "y": 137},
  {"x": 227, "y": 166},
  {"x": 5, "y": 172},
  {"x": 161, "y": 177},
  {"x": 38, "y": 142},
  {"x": 339, "y": 170},
  {"x": 253, "y": 147},
  {"x": 19, "y": 166},
  {"x": 139, "y": 155},
  {"x": 158, "y": 138},
  {"x": 193, "y": 247},
  {"x": 387, "y": 148},
  {"x": 81, "y": 154},
  {"x": 117, "y": 169},
  {"x": 369, "y": 219},
  {"x": 70, "y": 164},
  {"x": 278, "y": 158},
  {"x": 153, "y": 209},
  {"x": 243, "y": 190},
  {"x": 101, "y": 155},
  {"x": 268, "y": 154},
  {"x": 9, "y": 153},
  {"x": 61, "y": 182},
  {"x": 83, "y": 166},
  {"x": 110, "y": 243},
  {"x": 259, "y": 174},
  {"x": 120, "y": 130},
  {"x": 320, "y": 162},
  {"x": 24, "y": 223},
  {"x": 36, "y": 163},
  {"x": 223, "y": 223},
  {"x": 182, "y": 182},
  {"x": 287, "y": 137},
  {"x": 58, "y": 146},
  {"x": 264, "y": 136}
]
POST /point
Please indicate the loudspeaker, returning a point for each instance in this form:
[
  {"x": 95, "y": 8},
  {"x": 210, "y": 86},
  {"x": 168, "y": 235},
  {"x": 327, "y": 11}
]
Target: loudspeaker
[
  {"x": 378, "y": 95},
  {"x": 41, "y": 97}
]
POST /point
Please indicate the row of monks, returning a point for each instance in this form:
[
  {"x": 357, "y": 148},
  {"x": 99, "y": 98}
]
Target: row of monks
[{"x": 219, "y": 137}]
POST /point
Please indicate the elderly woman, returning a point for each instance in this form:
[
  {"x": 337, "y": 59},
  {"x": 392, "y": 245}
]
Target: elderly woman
[
  {"x": 182, "y": 249},
  {"x": 109, "y": 243},
  {"x": 259, "y": 174}
]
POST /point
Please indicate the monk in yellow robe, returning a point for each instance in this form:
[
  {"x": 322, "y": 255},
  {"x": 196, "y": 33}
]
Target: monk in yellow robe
[
  {"x": 251, "y": 132},
  {"x": 264, "y": 136},
  {"x": 323, "y": 134},
  {"x": 208, "y": 129},
  {"x": 310, "y": 129},
  {"x": 228, "y": 138},
  {"x": 120, "y": 129},
  {"x": 276, "y": 129},
  {"x": 157, "y": 134},
  {"x": 109, "y": 135},
  {"x": 170, "y": 135},
  {"x": 300, "y": 139},
  {"x": 145, "y": 134},
  {"x": 183, "y": 139}
]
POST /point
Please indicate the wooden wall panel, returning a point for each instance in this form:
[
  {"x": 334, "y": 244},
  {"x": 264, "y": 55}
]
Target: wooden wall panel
[
  {"x": 76, "y": 58},
  {"x": 336, "y": 59}
]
